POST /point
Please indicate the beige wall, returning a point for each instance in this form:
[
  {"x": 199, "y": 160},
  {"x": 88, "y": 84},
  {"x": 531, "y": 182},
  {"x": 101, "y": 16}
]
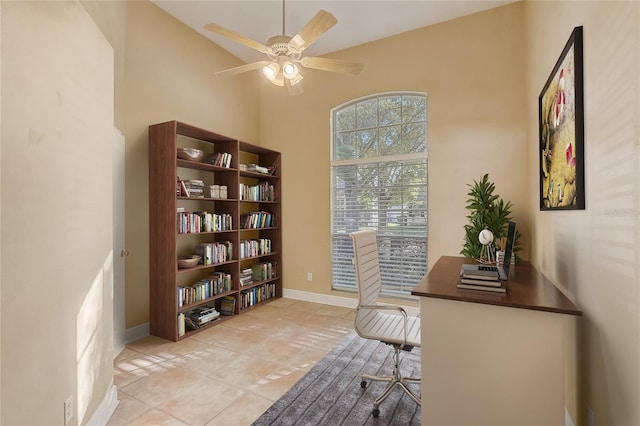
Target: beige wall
[
  {"x": 594, "y": 255},
  {"x": 166, "y": 73},
  {"x": 57, "y": 138},
  {"x": 472, "y": 70}
]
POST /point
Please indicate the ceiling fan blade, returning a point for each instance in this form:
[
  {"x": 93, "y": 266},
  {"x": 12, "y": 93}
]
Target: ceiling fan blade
[
  {"x": 334, "y": 65},
  {"x": 318, "y": 25},
  {"x": 243, "y": 68},
  {"x": 215, "y": 28}
]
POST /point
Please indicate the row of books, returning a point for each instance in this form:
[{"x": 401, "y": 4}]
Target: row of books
[
  {"x": 263, "y": 191},
  {"x": 212, "y": 253},
  {"x": 252, "y": 248},
  {"x": 196, "y": 222},
  {"x": 263, "y": 271},
  {"x": 216, "y": 283},
  {"x": 256, "y": 295},
  {"x": 256, "y": 220},
  {"x": 220, "y": 159}
]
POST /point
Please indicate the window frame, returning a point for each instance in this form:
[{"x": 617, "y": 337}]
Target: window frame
[{"x": 403, "y": 291}]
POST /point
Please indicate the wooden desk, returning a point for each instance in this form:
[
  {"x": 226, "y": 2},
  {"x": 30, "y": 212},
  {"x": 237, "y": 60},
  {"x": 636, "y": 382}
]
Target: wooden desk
[{"x": 492, "y": 358}]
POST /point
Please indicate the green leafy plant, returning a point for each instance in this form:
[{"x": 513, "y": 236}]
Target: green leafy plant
[{"x": 486, "y": 210}]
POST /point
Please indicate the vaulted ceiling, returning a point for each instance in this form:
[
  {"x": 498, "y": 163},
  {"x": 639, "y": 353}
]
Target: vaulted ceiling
[{"x": 359, "y": 21}]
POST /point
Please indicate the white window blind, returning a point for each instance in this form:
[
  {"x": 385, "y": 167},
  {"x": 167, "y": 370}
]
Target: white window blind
[{"x": 379, "y": 182}]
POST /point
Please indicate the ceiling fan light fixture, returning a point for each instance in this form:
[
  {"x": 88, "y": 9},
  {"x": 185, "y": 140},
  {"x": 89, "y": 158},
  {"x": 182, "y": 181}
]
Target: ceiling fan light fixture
[
  {"x": 290, "y": 70},
  {"x": 278, "y": 81},
  {"x": 271, "y": 71}
]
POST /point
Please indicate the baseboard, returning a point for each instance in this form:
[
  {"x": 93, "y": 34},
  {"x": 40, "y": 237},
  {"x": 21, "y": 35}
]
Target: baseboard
[
  {"x": 137, "y": 332},
  {"x": 106, "y": 408},
  {"x": 327, "y": 299},
  {"x": 330, "y": 299},
  {"x": 117, "y": 348}
]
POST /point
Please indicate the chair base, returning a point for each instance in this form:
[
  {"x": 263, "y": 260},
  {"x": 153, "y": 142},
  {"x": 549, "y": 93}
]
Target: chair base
[{"x": 395, "y": 380}]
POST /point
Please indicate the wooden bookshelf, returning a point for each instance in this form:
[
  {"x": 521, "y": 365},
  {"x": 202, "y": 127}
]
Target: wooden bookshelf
[{"x": 166, "y": 244}]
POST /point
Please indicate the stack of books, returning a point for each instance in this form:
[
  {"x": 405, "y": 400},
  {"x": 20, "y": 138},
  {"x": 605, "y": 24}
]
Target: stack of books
[
  {"x": 482, "y": 282},
  {"x": 246, "y": 277},
  {"x": 192, "y": 188},
  {"x": 257, "y": 169},
  {"x": 196, "y": 318}
]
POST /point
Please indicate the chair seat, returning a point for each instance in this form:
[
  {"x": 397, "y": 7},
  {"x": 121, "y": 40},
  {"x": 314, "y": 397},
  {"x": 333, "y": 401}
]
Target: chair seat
[{"x": 375, "y": 325}]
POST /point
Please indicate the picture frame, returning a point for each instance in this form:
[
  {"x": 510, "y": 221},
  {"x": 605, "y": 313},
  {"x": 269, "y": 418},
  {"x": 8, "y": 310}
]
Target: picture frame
[{"x": 561, "y": 126}]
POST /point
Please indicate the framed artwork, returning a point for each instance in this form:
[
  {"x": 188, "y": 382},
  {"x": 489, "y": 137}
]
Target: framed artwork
[{"x": 561, "y": 124}]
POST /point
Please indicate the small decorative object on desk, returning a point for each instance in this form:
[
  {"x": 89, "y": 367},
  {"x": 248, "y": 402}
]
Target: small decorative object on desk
[{"x": 486, "y": 239}]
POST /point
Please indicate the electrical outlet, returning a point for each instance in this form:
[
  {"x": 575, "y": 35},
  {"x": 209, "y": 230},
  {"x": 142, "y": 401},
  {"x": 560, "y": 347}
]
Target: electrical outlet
[
  {"x": 68, "y": 409},
  {"x": 309, "y": 276},
  {"x": 591, "y": 418}
]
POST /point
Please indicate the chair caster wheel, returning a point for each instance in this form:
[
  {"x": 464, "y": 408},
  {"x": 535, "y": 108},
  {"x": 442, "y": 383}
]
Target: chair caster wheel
[
  {"x": 363, "y": 384},
  {"x": 375, "y": 413}
]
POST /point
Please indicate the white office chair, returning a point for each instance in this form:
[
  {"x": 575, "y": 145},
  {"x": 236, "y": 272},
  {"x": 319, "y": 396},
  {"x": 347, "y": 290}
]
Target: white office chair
[{"x": 396, "y": 329}]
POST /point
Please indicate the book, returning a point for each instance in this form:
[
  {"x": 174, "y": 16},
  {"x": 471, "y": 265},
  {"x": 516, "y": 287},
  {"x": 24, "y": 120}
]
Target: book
[
  {"x": 228, "y": 305},
  {"x": 491, "y": 283},
  {"x": 479, "y": 274},
  {"x": 501, "y": 289},
  {"x": 182, "y": 328},
  {"x": 183, "y": 189}
]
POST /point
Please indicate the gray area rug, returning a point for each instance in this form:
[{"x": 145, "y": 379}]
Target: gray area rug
[{"x": 330, "y": 393}]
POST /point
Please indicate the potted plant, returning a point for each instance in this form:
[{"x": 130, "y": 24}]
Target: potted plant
[{"x": 486, "y": 210}]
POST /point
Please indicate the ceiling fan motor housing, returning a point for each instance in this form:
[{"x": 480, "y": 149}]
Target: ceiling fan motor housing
[{"x": 279, "y": 46}]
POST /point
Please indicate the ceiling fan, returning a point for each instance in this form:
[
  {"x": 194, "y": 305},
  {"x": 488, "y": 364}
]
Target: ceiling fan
[{"x": 284, "y": 53}]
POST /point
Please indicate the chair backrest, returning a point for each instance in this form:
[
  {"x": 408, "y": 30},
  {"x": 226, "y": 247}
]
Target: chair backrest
[{"x": 365, "y": 248}]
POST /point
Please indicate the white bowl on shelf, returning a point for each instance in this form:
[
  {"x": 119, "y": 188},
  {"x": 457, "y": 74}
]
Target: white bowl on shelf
[
  {"x": 188, "y": 261},
  {"x": 190, "y": 154}
]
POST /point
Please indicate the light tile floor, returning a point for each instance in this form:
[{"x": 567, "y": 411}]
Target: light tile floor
[{"x": 230, "y": 373}]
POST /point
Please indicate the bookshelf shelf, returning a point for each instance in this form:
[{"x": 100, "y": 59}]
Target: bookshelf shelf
[
  {"x": 209, "y": 266},
  {"x": 258, "y": 283},
  {"x": 259, "y": 202},
  {"x": 273, "y": 253},
  {"x": 230, "y": 231},
  {"x": 258, "y": 175},
  {"x": 221, "y": 200},
  {"x": 166, "y": 243},
  {"x": 189, "y": 164}
]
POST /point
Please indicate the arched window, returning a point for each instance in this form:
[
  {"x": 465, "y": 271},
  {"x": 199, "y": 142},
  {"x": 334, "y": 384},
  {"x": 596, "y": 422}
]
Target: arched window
[{"x": 379, "y": 181}]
